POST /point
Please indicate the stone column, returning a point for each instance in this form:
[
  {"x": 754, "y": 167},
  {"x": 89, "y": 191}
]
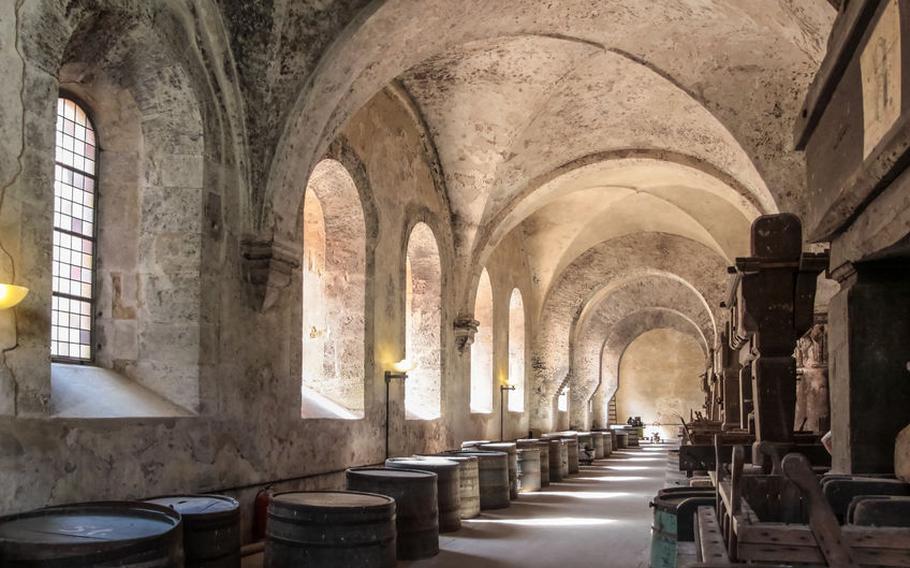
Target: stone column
[{"x": 869, "y": 350}]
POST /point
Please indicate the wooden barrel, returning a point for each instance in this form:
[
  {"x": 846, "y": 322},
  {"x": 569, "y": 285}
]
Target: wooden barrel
[
  {"x": 608, "y": 443},
  {"x": 468, "y": 484},
  {"x": 493, "y": 473},
  {"x": 101, "y": 534},
  {"x": 447, "y": 486},
  {"x": 211, "y": 529},
  {"x": 559, "y": 465},
  {"x": 511, "y": 449},
  {"x": 330, "y": 528},
  {"x": 622, "y": 439},
  {"x": 598, "y": 439},
  {"x": 528, "y": 470},
  {"x": 668, "y": 505},
  {"x": 544, "y": 447},
  {"x": 417, "y": 512}
]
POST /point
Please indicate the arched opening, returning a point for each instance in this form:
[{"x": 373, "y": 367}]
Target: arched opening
[
  {"x": 334, "y": 267},
  {"x": 74, "y": 234},
  {"x": 659, "y": 380},
  {"x": 517, "y": 352},
  {"x": 562, "y": 401},
  {"x": 423, "y": 323},
  {"x": 482, "y": 349}
]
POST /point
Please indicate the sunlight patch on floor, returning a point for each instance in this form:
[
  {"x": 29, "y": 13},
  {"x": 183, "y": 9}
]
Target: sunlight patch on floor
[{"x": 544, "y": 522}]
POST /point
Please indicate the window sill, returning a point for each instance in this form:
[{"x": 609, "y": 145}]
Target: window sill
[
  {"x": 83, "y": 391},
  {"x": 318, "y": 407}
]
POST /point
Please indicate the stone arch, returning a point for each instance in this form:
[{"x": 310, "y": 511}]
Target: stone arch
[
  {"x": 659, "y": 382},
  {"x": 482, "y": 348},
  {"x": 334, "y": 294},
  {"x": 517, "y": 352},
  {"x": 423, "y": 320},
  {"x": 627, "y": 294},
  {"x": 622, "y": 334},
  {"x": 572, "y": 290}
]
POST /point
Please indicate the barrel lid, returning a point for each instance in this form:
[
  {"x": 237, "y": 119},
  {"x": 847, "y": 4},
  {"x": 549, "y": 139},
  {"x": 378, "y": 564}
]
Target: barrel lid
[
  {"x": 526, "y": 450},
  {"x": 191, "y": 505},
  {"x": 459, "y": 457},
  {"x": 482, "y": 453},
  {"x": 333, "y": 499},
  {"x": 474, "y": 442},
  {"x": 387, "y": 472},
  {"x": 89, "y": 523},
  {"x": 506, "y": 446},
  {"x": 420, "y": 462},
  {"x": 670, "y": 501},
  {"x": 527, "y": 440}
]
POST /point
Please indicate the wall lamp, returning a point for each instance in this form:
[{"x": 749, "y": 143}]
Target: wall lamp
[
  {"x": 11, "y": 295},
  {"x": 399, "y": 371},
  {"x": 502, "y": 414}
]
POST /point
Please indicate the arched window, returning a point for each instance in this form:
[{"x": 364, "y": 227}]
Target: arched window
[
  {"x": 75, "y": 195},
  {"x": 482, "y": 349},
  {"x": 423, "y": 300},
  {"x": 334, "y": 269},
  {"x": 517, "y": 352},
  {"x": 562, "y": 403}
]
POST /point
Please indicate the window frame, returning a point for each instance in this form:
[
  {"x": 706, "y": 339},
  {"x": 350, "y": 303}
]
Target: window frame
[{"x": 89, "y": 114}]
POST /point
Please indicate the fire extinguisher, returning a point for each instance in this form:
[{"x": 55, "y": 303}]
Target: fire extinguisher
[{"x": 261, "y": 512}]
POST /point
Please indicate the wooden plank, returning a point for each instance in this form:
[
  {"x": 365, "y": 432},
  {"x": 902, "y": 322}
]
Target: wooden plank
[
  {"x": 686, "y": 553},
  {"x": 772, "y": 552},
  {"x": 708, "y": 538},
  {"x": 893, "y": 538},
  {"x": 821, "y": 519},
  {"x": 846, "y": 34}
]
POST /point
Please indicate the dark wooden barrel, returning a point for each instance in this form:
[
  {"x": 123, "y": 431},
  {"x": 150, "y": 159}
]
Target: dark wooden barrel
[
  {"x": 528, "y": 470},
  {"x": 330, "y": 528},
  {"x": 511, "y": 449},
  {"x": 417, "y": 512},
  {"x": 622, "y": 439},
  {"x": 559, "y": 465},
  {"x": 544, "y": 447},
  {"x": 493, "y": 473},
  {"x": 447, "y": 486},
  {"x": 103, "y": 534},
  {"x": 468, "y": 484},
  {"x": 598, "y": 439},
  {"x": 211, "y": 529}
]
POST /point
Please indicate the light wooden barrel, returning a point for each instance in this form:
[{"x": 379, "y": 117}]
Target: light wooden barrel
[
  {"x": 124, "y": 534},
  {"x": 468, "y": 484},
  {"x": 448, "y": 480},
  {"x": 528, "y": 470},
  {"x": 511, "y": 449},
  {"x": 544, "y": 447},
  {"x": 598, "y": 439},
  {"x": 493, "y": 474},
  {"x": 417, "y": 514},
  {"x": 572, "y": 450},
  {"x": 559, "y": 465},
  {"x": 211, "y": 529},
  {"x": 330, "y": 528}
]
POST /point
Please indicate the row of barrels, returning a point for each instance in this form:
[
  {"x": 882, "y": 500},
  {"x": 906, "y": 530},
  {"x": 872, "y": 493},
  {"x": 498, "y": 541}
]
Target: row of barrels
[
  {"x": 385, "y": 514},
  {"x": 188, "y": 530}
]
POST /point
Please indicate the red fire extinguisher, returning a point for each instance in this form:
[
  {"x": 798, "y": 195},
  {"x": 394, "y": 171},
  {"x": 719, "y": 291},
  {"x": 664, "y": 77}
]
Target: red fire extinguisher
[{"x": 261, "y": 512}]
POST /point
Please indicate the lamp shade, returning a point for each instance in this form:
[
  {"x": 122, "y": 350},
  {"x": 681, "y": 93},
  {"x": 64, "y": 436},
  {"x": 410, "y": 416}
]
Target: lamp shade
[
  {"x": 11, "y": 295},
  {"x": 403, "y": 366}
]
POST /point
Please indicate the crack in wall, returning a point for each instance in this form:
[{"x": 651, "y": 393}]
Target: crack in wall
[{"x": 15, "y": 178}]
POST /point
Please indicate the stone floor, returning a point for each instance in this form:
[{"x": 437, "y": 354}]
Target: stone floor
[{"x": 599, "y": 517}]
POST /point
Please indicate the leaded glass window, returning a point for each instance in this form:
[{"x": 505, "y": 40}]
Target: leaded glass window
[{"x": 75, "y": 187}]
